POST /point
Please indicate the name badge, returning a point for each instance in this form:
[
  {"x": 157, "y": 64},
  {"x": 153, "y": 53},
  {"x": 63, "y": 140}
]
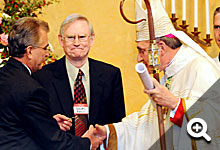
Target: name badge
[{"x": 81, "y": 109}]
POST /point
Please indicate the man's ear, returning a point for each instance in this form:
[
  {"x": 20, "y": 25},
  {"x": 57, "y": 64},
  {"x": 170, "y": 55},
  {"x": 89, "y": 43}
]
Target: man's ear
[
  {"x": 92, "y": 39},
  {"x": 60, "y": 40},
  {"x": 28, "y": 52},
  {"x": 161, "y": 45}
]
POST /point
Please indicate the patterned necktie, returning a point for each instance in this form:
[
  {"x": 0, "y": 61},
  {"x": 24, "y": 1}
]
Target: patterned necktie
[{"x": 80, "y": 98}]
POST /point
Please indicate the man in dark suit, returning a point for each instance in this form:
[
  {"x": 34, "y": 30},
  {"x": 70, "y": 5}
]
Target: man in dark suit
[
  {"x": 25, "y": 119},
  {"x": 102, "y": 82}
]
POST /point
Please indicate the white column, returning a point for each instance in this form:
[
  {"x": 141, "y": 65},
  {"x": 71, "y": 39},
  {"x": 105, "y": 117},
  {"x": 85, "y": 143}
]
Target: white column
[
  {"x": 184, "y": 10},
  {"x": 207, "y": 17},
  {"x": 173, "y": 7},
  {"x": 196, "y": 13}
]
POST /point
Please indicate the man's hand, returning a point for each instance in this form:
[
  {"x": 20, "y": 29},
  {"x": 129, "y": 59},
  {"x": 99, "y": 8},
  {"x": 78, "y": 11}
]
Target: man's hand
[
  {"x": 162, "y": 96},
  {"x": 64, "y": 122},
  {"x": 100, "y": 131},
  {"x": 95, "y": 141}
]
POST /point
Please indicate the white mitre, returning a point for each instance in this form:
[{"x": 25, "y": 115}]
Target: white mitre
[{"x": 162, "y": 23}]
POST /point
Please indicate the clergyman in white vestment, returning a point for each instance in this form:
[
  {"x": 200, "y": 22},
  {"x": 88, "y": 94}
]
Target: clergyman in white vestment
[{"x": 188, "y": 73}]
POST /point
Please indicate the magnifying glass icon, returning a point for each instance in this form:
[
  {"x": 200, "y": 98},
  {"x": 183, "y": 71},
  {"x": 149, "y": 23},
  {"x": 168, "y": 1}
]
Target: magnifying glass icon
[{"x": 197, "y": 127}]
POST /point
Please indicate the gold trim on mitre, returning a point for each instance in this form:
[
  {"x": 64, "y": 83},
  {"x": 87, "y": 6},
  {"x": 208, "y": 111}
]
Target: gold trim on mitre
[{"x": 162, "y": 23}]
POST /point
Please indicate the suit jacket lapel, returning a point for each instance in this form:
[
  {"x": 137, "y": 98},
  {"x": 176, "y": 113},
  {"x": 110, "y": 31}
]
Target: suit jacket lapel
[
  {"x": 96, "y": 90},
  {"x": 62, "y": 87}
]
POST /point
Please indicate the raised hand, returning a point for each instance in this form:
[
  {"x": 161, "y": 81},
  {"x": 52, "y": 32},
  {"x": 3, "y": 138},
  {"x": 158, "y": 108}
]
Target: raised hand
[
  {"x": 64, "y": 122},
  {"x": 162, "y": 96}
]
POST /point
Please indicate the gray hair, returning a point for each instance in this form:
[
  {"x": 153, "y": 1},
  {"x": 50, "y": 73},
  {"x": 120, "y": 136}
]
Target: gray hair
[
  {"x": 171, "y": 42},
  {"x": 23, "y": 33},
  {"x": 71, "y": 18}
]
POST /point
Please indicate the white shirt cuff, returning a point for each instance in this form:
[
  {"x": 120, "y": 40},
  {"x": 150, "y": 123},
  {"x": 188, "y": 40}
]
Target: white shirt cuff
[
  {"x": 172, "y": 112},
  {"x": 107, "y": 137}
]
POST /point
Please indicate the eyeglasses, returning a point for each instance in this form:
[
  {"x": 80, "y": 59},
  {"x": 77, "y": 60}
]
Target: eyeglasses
[
  {"x": 216, "y": 27},
  {"x": 46, "y": 48},
  {"x": 72, "y": 38}
]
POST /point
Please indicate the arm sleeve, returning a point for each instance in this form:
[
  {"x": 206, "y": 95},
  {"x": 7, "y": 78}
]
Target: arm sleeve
[
  {"x": 178, "y": 115},
  {"x": 44, "y": 129}
]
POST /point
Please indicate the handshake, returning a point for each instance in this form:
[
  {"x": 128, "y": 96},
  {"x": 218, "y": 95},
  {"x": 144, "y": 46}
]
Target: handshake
[{"x": 95, "y": 134}]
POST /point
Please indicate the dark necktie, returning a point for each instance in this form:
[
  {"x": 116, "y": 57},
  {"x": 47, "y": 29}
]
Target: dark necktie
[{"x": 80, "y": 98}]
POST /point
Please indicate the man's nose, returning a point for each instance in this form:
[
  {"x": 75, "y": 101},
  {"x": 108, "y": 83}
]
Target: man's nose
[
  {"x": 139, "y": 58},
  {"x": 76, "y": 41}
]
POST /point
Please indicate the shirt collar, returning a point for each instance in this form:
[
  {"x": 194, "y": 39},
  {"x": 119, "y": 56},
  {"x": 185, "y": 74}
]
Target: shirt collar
[
  {"x": 29, "y": 70},
  {"x": 73, "y": 71},
  {"x": 171, "y": 61}
]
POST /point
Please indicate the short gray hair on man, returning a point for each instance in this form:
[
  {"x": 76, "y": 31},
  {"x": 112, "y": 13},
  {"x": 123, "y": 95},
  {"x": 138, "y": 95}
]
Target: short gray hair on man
[
  {"x": 25, "y": 32},
  {"x": 170, "y": 42},
  {"x": 71, "y": 18}
]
